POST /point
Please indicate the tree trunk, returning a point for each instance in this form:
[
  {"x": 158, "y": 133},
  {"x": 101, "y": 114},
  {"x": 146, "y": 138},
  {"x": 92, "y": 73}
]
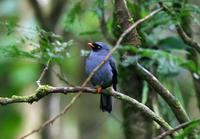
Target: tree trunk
[
  {"x": 48, "y": 23},
  {"x": 136, "y": 124}
]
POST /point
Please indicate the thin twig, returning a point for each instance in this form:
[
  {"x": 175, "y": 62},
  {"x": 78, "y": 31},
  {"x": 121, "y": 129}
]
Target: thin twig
[
  {"x": 51, "y": 121},
  {"x": 104, "y": 61},
  {"x": 189, "y": 41},
  {"x": 174, "y": 104},
  {"x": 184, "y": 36},
  {"x": 169, "y": 132},
  {"x": 62, "y": 77},
  {"x": 43, "y": 73}
]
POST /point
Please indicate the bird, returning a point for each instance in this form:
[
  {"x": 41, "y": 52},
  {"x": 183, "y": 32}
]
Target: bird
[{"x": 105, "y": 76}]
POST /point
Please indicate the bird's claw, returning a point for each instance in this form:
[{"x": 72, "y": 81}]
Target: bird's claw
[{"x": 99, "y": 90}]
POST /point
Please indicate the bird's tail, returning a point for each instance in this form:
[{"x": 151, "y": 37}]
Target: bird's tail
[{"x": 106, "y": 103}]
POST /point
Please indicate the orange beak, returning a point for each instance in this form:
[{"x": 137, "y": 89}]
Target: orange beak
[{"x": 90, "y": 45}]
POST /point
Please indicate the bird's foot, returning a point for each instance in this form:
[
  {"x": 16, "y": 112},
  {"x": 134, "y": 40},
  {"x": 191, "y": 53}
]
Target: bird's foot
[{"x": 99, "y": 90}]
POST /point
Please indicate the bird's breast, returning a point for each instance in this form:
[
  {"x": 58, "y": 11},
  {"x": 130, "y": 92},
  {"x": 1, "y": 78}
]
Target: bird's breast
[{"x": 103, "y": 77}]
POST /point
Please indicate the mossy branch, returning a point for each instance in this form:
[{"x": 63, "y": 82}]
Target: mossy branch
[{"x": 45, "y": 90}]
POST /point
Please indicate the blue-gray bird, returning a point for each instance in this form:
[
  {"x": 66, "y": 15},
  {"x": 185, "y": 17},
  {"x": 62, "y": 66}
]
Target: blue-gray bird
[{"x": 106, "y": 76}]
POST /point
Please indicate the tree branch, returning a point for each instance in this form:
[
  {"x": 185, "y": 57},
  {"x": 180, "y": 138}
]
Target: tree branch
[
  {"x": 174, "y": 104},
  {"x": 48, "y": 22},
  {"x": 56, "y": 11},
  {"x": 38, "y": 12},
  {"x": 45, "y": 90},
  {"x": 50, "y": 121},
  {"x": 189, "y": 41},
  {"x": 43, "y": 73},
  {"x": 63, "y": 78},
  {"x": 169, "y": 132},
  {"x": 42, "y": 91}
]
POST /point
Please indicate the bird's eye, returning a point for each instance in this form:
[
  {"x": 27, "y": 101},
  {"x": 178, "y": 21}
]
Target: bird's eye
[{"x": 97, "y": 47}]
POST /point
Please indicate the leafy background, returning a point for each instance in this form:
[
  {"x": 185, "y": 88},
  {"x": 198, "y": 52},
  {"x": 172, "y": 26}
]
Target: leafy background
[{"x": 25, "y": 46}]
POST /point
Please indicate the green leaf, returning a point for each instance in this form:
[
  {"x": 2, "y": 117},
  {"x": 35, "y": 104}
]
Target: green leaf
[
  {"x": 172, "y": 43},
  {"x": 132, "y": 7},
  {"x": 167, "y": 63},
  {"x": 51, "y": 46},
  {"x": 190, "y": 129},
  {"x": 74, "y": 12},
  {"x": 90, "y": 32},
  {"x": 144, "y": 12},
  {"x": 191, "y": 8},
  {"x": 160, "y": 20},
  {"x": 14, "y": 51},
  {"x": 129, "y": 60},
  {"x": 150, "y": 2},
  {"x": 10, "y": 25},
  {"x": 167, "y": 66}
]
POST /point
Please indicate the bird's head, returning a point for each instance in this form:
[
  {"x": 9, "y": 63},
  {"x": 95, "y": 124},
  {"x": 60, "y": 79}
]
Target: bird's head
[{"x": 98, "y": 47}]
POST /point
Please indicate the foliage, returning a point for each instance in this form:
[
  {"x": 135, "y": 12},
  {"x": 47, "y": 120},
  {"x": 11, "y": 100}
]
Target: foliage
[
  {"x": 167, "y": 64},
  {"x": 73, "y": 14},
  {"x": 162, "y": 51},
  {"x": 51, "y": 46},
  {"x": 192, "y": 127}
]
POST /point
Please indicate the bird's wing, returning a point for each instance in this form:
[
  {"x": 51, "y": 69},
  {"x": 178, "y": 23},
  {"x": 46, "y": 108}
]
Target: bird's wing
[{"x": 114, "y": 71}]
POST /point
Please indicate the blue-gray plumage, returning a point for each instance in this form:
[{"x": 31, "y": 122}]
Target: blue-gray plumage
[{"x": 106, "y": 76}]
